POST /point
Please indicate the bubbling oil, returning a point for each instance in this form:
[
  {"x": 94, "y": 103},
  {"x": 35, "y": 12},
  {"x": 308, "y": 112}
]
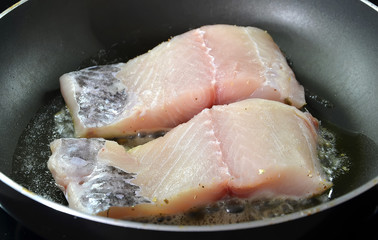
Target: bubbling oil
[
  {"x": 29, "y": 166},
  {"x": 53, "y": 121},
  {"x": 235, "y": 210}
]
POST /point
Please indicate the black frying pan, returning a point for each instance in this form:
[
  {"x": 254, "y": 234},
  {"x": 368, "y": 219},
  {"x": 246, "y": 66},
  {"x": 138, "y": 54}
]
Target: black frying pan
[{"x": 332, "y": 45}]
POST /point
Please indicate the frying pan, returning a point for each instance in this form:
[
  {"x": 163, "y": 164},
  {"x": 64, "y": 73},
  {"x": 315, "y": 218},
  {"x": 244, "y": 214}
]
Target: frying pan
[{"x": 332, "y": 46}]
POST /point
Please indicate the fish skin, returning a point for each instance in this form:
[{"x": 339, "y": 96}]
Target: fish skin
[
  {"x": 89, "y": 184},
  {"x": 242, "y": 149},
  {"x": 168, "y": 85}
]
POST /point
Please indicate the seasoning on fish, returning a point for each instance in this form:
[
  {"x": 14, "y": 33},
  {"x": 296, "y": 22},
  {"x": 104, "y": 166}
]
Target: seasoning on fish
[
  {"x": 168, "y": 85},
  {"x": 254, "y": 148}
]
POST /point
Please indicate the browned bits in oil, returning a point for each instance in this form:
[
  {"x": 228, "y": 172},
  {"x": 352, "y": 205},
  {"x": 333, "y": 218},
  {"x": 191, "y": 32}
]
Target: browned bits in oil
[{"x": 288, "y": 101}]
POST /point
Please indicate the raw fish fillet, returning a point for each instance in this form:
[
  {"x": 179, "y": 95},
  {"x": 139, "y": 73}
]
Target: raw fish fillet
[
  {"x": 217, "y": 64},
  {"x": 253, "y": 148}
]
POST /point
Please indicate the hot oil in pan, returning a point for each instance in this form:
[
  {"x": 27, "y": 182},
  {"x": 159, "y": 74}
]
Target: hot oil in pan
[
  {"x": 53, "y": 121},
  {"x": 32, "y": 152},
  {"x": 335, "y": 163},
  {"x": 337, "y": 152}
]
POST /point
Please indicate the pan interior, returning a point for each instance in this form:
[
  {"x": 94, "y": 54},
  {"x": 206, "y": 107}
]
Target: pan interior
[
  {"x": 342, "y": 152},
  {"x": 332, "y": 55}
]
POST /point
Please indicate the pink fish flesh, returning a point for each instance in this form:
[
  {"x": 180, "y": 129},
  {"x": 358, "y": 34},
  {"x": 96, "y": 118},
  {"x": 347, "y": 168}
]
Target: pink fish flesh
[
  {"x": 253, "y": 148},
  {"x": 217, "y": 64}
]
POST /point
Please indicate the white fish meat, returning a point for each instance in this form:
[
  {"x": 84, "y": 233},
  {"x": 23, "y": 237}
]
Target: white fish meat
[
  {"x": 253, "y": 148},
  {"x": 216, "y": 64}
]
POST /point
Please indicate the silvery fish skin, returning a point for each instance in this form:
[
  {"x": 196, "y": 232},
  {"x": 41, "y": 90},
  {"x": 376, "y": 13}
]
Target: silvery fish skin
[
  {"x": 90, "y": 185},
  {"x": 253, "y": 148},
  {"x": 168, "y": 85}
]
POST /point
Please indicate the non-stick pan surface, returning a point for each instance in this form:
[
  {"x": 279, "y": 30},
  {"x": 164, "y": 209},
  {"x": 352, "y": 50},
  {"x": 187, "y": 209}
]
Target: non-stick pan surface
[{"x": 332, "y": 45}]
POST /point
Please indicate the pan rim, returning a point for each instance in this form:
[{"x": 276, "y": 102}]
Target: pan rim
[
  {"x": 370, "y": 4},
  {"x": 177, "y": 228},
  {"x": 190, "y": 228},
  {"x": 11, "y": 8}
]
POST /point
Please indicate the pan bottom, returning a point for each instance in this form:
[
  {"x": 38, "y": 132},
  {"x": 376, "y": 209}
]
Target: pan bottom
[
  {"x": 53, "y": 121},
  {"x": 340, "y": 151}
]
